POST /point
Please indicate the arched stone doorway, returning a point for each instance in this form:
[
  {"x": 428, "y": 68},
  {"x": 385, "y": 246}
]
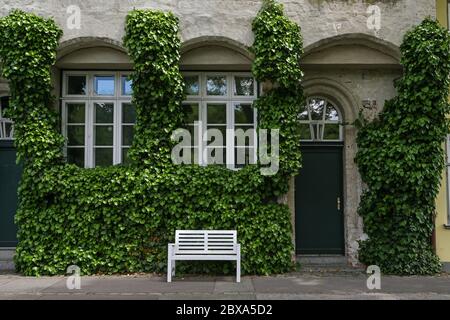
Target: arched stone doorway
[{"x": 347, "y": 71}]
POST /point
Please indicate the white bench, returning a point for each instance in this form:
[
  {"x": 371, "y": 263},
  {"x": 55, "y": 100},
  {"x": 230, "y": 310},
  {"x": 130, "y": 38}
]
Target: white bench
[{"x": 214, "y": 245}]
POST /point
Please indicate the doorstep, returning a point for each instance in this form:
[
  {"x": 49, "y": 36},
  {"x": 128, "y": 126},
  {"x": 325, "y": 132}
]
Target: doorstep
[
  {"x": 7, "y": 258},
  {"x": 326, "y": 264}
]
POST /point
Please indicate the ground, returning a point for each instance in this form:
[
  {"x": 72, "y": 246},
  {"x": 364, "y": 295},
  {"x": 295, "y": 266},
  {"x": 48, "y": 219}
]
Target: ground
[{"x": 293, "y": 286}]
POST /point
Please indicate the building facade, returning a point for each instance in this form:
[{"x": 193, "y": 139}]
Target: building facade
[
  {"x": 442, "y": 227},
  {"x": 351, "y": 60}
]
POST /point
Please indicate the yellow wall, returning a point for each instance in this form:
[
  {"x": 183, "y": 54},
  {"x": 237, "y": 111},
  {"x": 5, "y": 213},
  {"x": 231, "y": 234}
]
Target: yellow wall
[
  {"x": 441, "y": 14},
  {"x": 442, "y": 234}
]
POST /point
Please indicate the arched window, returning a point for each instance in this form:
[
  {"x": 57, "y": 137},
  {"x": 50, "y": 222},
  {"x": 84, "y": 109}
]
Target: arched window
[{"x": 320, "y": 121}]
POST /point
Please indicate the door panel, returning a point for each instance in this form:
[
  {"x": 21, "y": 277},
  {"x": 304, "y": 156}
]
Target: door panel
[
  {"x": 10, "y": 174},
  {"x": 318, "y": 189}
]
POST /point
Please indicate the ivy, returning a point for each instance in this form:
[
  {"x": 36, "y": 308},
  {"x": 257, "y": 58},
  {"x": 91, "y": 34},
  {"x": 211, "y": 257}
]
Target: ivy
[
  {"x": 278, "y": 46},
  {"x": 27, "y": 66},
  {"x": 119, "y": 219},
  {"x": 154, "y": 46},
  {"x": 401, "y": 158}
]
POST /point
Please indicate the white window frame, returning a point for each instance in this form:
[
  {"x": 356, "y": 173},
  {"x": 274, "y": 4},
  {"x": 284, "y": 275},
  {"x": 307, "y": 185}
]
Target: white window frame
[
  {"x": 89, "y": 99},
  {"x": 323, "y": 122},
  {"x": 230, "y": 100}
]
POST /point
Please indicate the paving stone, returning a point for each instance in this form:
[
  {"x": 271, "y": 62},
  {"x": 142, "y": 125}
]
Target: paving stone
[
  {"x": 245, "y": 285},
  {"x": 28, "y": 284},
  {"x": 100, "y": 297},
  {"x": 135, "y": 285}
]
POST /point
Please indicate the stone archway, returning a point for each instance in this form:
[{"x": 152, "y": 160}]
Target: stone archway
[
  {"x": 212, "y": 52},
  {"x": 349, "y": 69}
]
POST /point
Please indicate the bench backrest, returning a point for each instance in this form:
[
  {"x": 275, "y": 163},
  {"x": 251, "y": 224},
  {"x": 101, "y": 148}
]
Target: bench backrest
[{"x": 206, "y": 242}]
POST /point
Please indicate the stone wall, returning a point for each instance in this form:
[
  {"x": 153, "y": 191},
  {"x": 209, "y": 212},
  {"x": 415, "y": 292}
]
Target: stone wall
[{"x": 319, "y": 19}]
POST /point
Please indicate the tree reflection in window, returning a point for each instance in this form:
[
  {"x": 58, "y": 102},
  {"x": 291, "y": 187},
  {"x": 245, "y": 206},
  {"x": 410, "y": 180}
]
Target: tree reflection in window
[{"x": 320, "y": 121}]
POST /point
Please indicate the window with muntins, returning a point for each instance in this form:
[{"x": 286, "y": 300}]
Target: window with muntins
[
  {"x": 320, "y": 120},
  {"x": 97, "y": 117},
  {"x": 221, "y": 102}
]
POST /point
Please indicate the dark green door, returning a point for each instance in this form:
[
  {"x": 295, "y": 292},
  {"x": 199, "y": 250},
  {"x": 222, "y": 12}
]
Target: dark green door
[
  {"x": 319, "y": 227},
  {"x": 9, "y": 180}
]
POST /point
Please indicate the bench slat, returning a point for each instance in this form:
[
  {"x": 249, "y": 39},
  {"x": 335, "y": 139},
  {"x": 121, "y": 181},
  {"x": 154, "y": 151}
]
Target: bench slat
[{"x": 205, "y": 242}]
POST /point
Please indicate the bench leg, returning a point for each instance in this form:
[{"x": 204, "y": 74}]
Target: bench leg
[
  {"x": 169, "y": 263},
  {"x": 169, "y": 270},
  {"x": 173, "y": 267},
  {"x": 238, "y": 265}
]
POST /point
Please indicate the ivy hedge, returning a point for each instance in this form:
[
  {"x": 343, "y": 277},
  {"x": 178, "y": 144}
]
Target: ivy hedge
[
  {"x": 401, "y": 158},
  {"x": 278, "y": 47},
  {"x": 119, "y": 219}
]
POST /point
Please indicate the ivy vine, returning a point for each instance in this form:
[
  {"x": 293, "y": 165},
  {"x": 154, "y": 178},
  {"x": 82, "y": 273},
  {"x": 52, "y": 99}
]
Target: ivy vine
[
  {"x": 401, "y": 158},
  {"x": 278, "y": 47}
]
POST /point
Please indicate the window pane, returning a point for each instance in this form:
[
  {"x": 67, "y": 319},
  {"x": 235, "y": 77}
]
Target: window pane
[
  {"x": 216, "y": 155},
  {"x": 103, "y": 157},
  {"x": 104, "y": 112},
  {"x": 317, "y": 130},
  {"x": 76, "y": 113},
  {"x": 305, "y": 131},
  {"x": 331, "y": 113},
  {"x": 127, "y": 89},
  {"x": 103, "y": 135},
  {"x": 127, "y": 135},
  {"x": 244, "y": 136},
  {"x": 192, "y": 85},
  {"x": 243, "y": 157},
  {"x": 7, "y": 131},
  {"x": 125, "y": 157},
  {"x": 213, "y": 137},
  {"x": 75, "y": 135},
  {"x": 128, "y": 113},
  {"x": 76, "y": 156},
  {"x": 331, "y": 132},
  {"x": 191, "y": 129},
  {"x": 190, "y": 113},
  {"x": 193, "y": 154},
  {"x": 217, "y": 113},
  {"x": 304, "y": 114},
  {"x": 76, "y": 85},
  {"x": 316, "y": 108},
  {"x": 104, "y": 85},
  {"x": 243, "y": 113},
  {"x": 4, "y": 104},
  {"x": 244, "y": 86},
  {"x": 216, "y": 85}
]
